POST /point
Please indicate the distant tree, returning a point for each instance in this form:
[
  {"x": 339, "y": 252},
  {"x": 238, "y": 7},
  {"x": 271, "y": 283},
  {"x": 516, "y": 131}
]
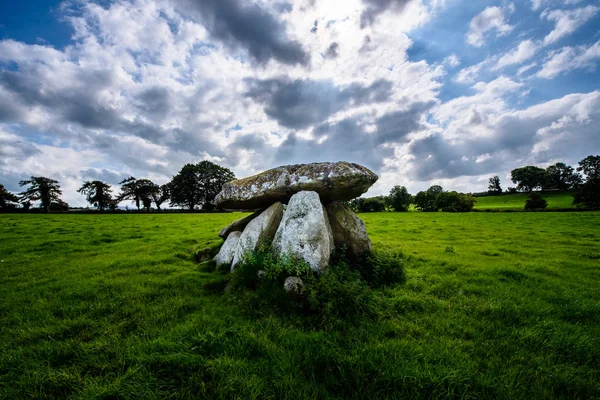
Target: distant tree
[
  {"x": 590, "y": 166},
  {"x": 161, "y": 194},
  {"x": 494, "y": 186},
  {"x": 26, "y": 205},
  {"x": 7, "y": 199},
  {"x": 97, "y": 194},
  {"x": 535, "y": 201},
  {"x": 427, "y": 200},
  {"x": 455, "y": 202},
  {"x": 588, "y": 194},
  {"x": 562, "y": 177},
  {"x": 59, "y": 205},
  {"x": 197, "y": 185},
  {"x": 399, "y": 198},
  {"x": 130, "y": 191},
  {"x": 512, "y": 190},
  {"x": 368, "y": 204},
  {"x": 41, "y": 189},
  {"x": 528, "y": 178}
]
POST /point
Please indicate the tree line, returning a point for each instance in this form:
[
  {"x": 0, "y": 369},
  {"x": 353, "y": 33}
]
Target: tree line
[
  {"x": 194, "y": 187},
  {"x": 584, "y": 181}
]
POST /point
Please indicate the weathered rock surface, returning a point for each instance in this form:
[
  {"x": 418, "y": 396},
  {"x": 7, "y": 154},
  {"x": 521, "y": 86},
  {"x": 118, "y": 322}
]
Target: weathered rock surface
[
  {"x": 348, "y": 230},
  {"x": 237, "y": 225},
  {"x": 227, "y": 251},
  {"x": 331, "y": 180},
  {"x": 304, "y": 232},
  {"x": 260, "y": 230},
  {"x": 294, "y": 287}
]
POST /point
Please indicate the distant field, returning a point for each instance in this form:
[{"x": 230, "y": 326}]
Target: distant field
[
  {"x": 496, "y": 306},
  {"x": 517, "y": 201}
]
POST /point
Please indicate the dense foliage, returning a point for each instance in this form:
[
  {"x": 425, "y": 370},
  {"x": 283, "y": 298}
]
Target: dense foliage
[
  {"x": 7, "y": 199},
  {"x": 399, "y": 198},
  {"x": 42, "y": 189},
  {"x": 535, "y": 201},
  {"x": 97, "y": 194},
  {"x": 197, "y": 185}
]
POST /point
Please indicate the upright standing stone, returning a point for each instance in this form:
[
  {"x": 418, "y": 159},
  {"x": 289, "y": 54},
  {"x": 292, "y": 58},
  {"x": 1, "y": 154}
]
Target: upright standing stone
[
  {"x": 304, "y": 232},
  {"x": 225, "y": 256},
  {"x": 348, "y": 230},
  {"x": 237, "y": 225},
  {"x": 259, "y": 231}
]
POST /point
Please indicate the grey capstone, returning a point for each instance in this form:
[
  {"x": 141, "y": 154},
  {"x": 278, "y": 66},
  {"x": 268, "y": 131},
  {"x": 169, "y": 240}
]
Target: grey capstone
[
  {"x": 237, "y": 225},
  {"x": 333, "y": 181}
]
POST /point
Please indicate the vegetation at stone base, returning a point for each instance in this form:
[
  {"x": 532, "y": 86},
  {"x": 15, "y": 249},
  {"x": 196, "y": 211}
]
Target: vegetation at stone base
[
  {"x": 516, "y": 201},
  {"x": 342, "y": 293},
  {"x": 535, "y": 201},
  {"x": 495, "y": 305}
]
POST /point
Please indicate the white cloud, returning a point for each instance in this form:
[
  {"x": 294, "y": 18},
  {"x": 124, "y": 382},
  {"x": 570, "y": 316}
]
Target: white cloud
[
  {"x": 567, "y": 21},
  {"x": 452, "y": 60},
  {"x": 523, "y": 52},
  {"x": 570, "y": 58},
  {"x": 490, "y": 19}
]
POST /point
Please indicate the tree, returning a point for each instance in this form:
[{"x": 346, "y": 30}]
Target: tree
[
  {"x": 588, "y": 195},
  {"x": 130, "y": 191},
  {"x": 562, "y": 177},
  {"x": 455, "y": 202},
  {"x": 161, "y": 194},
  {"x": 535, "y": 201},
  {"x": 368, "y": 204},
  {"x": 528, "y": 178},
  {"x": 399, "y": 198},
  {"x": 494, "y": 186},
  {"x": 427, "y": 200},
  {"x": 97, "y": 194},
  {"x": 197, "y": 185},
  {"x": 590, "y": 166},
  {"x": 42, "y": 189},
  {"x": 7, "y": 198}
]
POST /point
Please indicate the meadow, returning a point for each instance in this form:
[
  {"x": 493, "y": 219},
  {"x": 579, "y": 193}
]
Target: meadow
[
  {"x": 516, "y": 201},
  {"x": 495, "y": 306}
]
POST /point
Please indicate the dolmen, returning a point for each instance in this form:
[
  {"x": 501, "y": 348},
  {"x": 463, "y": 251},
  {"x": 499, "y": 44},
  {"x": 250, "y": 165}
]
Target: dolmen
[{"x": 302, "y": 213}]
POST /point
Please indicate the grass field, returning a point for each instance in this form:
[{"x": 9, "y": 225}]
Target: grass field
[
  {"x": 517, "y": 201},
  {"x": 496, "y": 305}
]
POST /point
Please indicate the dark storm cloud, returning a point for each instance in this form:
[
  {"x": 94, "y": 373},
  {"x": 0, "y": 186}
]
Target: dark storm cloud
[
  {"x": 283, "y": 7},
  {"x": 301, "y": 103},
  {"x": 15, "y": 150},
  {"x": 373, "y": 8},
  {"x": 155, "y": 101},
  {"x": 395, "y": 126},
  {"x": 244, "y": 24},
  {"x": 332, "y": 50}
]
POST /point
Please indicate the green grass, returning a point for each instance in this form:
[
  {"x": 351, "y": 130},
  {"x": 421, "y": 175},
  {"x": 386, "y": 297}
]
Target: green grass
[
  {"x": 517, "y": 201},
  {"x": 497, "y": 306}
]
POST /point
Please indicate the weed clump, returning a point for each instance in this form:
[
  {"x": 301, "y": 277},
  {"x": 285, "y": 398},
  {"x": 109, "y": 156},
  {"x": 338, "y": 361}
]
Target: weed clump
[{"x": 343, "y": 292}]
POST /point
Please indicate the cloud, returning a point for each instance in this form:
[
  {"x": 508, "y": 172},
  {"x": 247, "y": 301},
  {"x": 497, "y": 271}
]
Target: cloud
[
  {"x": 567, "y": 21},
  {"x": 373, "y": 8},
  {"x": 523, "y": 52},
  {"x": 299, "y": 104},
  {"x": 570, "y": 58},
  {"x": 490, "y": 19},
  {"x": 247, "y": 25}
]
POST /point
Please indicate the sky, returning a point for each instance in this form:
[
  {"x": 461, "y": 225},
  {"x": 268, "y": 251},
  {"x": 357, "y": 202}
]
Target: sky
[{"x": 423, "y": 92}]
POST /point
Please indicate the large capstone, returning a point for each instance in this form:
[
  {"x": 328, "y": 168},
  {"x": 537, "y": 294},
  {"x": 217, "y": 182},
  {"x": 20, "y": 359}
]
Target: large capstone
[
  {"x": 304, "y": 232},
  {"x": 237, "y": 225},
  {"x": 333, "y": 181},
  {"x": 225, "y": 256},
  {"x": 259, "y": 231},
  {"x": 349, "y": 231}
]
